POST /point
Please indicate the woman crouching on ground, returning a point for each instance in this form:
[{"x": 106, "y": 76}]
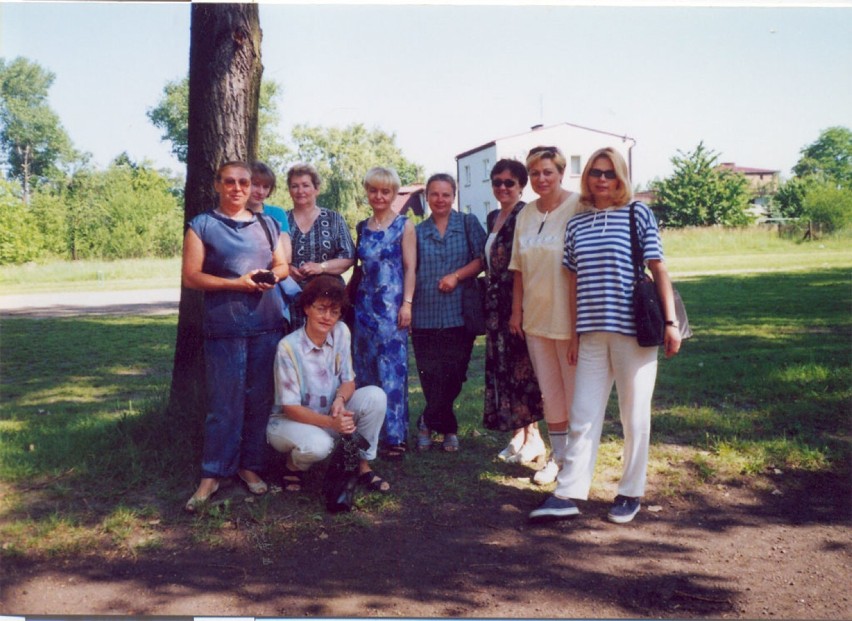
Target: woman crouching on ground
[{"x": 315, "y": 397}]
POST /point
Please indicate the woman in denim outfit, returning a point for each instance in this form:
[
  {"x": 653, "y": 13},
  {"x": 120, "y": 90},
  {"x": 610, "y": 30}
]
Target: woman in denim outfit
[{"x": 223, "y": 250}]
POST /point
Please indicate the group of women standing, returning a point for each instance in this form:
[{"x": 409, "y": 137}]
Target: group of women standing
[{"x": 557, "y": 309}]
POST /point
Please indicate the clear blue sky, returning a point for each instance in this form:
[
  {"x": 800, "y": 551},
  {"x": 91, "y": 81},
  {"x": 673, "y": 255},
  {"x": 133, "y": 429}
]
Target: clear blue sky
[{"x": 755, "y": 84}]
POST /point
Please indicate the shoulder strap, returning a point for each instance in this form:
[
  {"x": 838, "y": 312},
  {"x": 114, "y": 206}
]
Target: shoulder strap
[
  {"x": 635, "y": 247},
  {"x": 467, "y": 217},
  {"x": 265, "y": 226}
]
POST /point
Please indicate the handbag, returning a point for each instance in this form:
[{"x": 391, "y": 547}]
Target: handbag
[
  {"x": 473, "y": 294},
  {"x": 354, "y": 281},
  {"x": 647, "y": 306},
  {"x": 342, "y": 475}
]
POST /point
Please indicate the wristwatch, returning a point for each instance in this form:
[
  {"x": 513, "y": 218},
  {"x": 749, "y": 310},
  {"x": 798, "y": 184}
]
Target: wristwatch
[
  {"x": 323, "y": 266},
  {"x": 674, "y": 323}
]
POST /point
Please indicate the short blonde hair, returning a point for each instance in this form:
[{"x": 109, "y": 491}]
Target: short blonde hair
[
  {"x": 379, "y": 177},
  {"x": 623, "y": 192},
  {"x": 539, "y": 153}
]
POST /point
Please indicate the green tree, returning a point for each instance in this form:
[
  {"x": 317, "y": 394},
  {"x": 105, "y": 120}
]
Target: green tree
[
  {"x": 829, "y": 206},
  {"x": 700, "y": 194},
  {"x": 171, "y": 116},
  {"x": 128, "y": 210},
  {"x": 828, "y": 157},
  {"x": 19, "y": 236},
  {"x": 342, "y": 156},
  {"x": 34, "y": 143},
  {"x": 224, "y": 91}
]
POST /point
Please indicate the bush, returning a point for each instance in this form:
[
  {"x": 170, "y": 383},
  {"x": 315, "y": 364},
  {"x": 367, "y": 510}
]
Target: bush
[
  {"x": 20, "y": 240},
  {"x": 829, "y": 207}
]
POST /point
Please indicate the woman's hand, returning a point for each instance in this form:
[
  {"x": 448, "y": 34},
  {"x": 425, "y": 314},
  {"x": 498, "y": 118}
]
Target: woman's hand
[
  {"x": 573, "y": 350},
  {"x": 671, "y": 341},
  {"x": 516, "y": 323},
  {"x": 250, "y": 285},
  {"x": 342, "y": 421},
  {"x": 312, "y": 269},
  {"x": 449, "y": 283},
  {"x": 296, "y": 273},
  {"x": 403, "y": 319}
]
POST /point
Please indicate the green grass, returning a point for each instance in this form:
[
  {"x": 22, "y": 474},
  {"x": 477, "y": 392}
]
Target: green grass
[
  {"x": 90, "y": 275},
  {"x": 89, "y": 457}
]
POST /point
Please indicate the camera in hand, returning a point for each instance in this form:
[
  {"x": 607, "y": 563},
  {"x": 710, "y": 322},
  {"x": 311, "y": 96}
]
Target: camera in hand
[{"x": 265, "y": 276}]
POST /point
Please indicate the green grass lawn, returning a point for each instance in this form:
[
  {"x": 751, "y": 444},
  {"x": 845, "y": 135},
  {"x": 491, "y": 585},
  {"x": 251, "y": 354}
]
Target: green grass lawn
[{"x": 88, "y": 455}]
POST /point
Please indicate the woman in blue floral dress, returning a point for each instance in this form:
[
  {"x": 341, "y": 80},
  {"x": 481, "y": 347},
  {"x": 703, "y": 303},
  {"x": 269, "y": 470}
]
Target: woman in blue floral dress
[{"x": 387, "y": 253}]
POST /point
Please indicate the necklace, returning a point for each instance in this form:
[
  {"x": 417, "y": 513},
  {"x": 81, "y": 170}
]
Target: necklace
[
  {"x": 543, "y": 220},
  {"x": 381, "y": 226}
]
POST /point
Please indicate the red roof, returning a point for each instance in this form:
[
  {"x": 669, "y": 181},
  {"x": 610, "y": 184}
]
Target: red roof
[{"x": 747, "y": 170}]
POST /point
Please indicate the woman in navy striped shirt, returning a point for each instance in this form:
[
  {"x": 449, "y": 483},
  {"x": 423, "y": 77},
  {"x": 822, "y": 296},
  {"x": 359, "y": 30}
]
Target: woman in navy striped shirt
[{"x": 598, "y": 257}]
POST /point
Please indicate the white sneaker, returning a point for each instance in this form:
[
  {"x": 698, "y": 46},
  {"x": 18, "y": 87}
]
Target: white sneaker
[
  {"x": 508, "y": 454},
  {"x": 547, "y": 474},
  {"x": 531, "y": 451}
]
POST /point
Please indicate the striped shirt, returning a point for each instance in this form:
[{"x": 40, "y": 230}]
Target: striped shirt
[{"x": 597, "y": 249}]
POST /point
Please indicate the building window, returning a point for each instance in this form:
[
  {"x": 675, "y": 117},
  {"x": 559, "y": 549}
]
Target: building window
[
  {"x": 575, "y": 164},
  {"x": 486, "y": 169},
  {"x": 487, "y": 206},
  {"x": 467, "y": 174}
]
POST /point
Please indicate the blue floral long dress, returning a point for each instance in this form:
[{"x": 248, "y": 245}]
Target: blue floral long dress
[{"x": 380, "y": 346}]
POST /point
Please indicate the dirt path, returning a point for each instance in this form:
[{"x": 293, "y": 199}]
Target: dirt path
[
  {"x": 728, "y": 553},
  {"x": 69, "y": 304}
]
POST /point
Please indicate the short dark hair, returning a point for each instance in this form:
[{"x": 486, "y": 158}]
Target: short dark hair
[
  {"x": 325, "y": 287},
  {"x": 259, "y": 169},
  {"x": 515, "y": 168},
  {"x": 445, "y": 177}
]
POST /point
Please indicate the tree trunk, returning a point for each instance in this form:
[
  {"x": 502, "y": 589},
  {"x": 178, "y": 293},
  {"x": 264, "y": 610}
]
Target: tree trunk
[{"x": 224, "y": 88}]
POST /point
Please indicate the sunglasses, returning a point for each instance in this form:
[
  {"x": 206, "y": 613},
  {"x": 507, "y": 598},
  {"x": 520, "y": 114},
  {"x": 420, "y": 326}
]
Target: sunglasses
[
  {"x": 606, "y": 174},
  {"x": 547, "y": 150},
  {"x": 507, "y": 183},
  {"x": 230, "y": 182}
]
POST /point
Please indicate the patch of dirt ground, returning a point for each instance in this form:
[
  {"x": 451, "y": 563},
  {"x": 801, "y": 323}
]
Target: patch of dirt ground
[{"x": 782, "y": 552}]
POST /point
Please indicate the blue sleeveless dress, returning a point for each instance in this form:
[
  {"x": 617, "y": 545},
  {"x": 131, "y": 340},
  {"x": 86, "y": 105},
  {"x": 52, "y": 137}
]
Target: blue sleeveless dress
[{"x": 380, "y": 347}]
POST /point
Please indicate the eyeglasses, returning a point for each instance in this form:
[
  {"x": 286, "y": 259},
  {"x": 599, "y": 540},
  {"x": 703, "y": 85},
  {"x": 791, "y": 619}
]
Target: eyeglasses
[
  {"x": 546, "y": 150},
  {"x": 507, "y": 183},
  {"x": 598, "y": 173},
  {"x": 331, "y": 311},
  {"x": 230, "y": 182}
]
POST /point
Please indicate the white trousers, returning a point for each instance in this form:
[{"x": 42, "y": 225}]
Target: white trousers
[
  {"x": 604, "y": 358},
  {"x": 555, "y": 376},
  {"x": 309, "y": 444}
]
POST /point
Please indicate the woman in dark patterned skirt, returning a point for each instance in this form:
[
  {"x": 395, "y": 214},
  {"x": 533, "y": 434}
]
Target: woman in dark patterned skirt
[{"x": 512, "y": 396}]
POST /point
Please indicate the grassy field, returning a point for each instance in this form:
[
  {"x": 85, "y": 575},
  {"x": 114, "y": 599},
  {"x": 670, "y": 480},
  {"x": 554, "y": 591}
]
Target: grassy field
[{"x": 88, "y": 456}]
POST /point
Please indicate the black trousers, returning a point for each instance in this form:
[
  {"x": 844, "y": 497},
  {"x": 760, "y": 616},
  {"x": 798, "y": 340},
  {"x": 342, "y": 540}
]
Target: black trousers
[{"x": 442, "y": 357}]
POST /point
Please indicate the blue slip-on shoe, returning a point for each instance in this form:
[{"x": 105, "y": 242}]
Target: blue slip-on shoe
[
  {"x": 624, "y": 509},
  {"x": 554, "y": 508}
]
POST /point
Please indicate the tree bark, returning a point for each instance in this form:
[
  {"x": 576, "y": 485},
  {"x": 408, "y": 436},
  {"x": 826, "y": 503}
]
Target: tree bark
[{"x": 224, "y": 88}]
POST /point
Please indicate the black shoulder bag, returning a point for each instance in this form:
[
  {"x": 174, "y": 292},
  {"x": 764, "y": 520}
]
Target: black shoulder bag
[
  {"x": 473, "y": 293},
  {"x": 647, "y": 305}
]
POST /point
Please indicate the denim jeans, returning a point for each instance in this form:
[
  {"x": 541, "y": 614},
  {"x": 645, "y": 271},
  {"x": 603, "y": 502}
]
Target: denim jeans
[{"x": 240, "y": 397}]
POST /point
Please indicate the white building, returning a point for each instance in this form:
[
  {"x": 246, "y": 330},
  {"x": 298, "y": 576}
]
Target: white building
[{"x": 576, "y": 142}]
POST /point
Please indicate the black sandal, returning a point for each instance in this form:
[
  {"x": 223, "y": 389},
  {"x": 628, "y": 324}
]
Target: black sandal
[
  {"x": 292, "y": 480},
  {"x": 373, "y": 482}
]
